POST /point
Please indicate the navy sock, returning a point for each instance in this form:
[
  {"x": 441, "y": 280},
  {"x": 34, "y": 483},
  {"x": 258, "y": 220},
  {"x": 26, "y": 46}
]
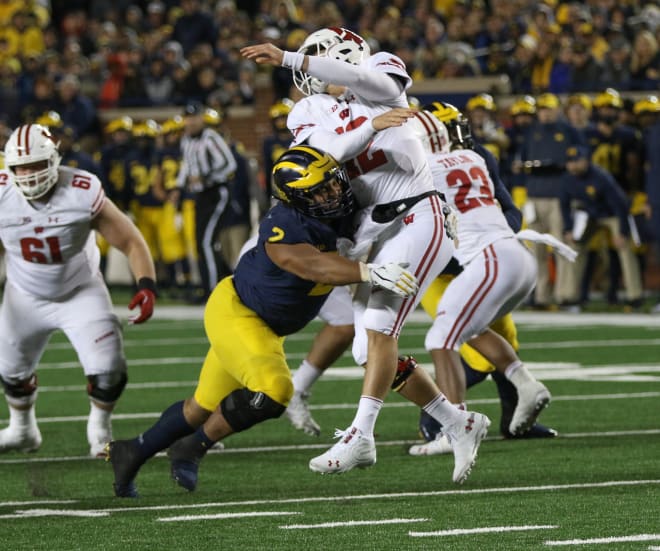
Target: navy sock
[
  {"x": 207, "y": 443},
  {"x": 472, "y": 376},
  {"x": 171, "y": 426}
]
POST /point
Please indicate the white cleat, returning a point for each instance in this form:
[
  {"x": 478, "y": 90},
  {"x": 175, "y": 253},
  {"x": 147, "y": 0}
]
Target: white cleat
[
  {"x": 354, "y": 449},
  {"x": 98, "y": 442},
  {"x": 465, "y": 439},
  {"x": 439, "y": 446},
  {"x": 532, "y": 398},
  {"x": 28, "y": 440},
  {"x": 299, "y": 415}
]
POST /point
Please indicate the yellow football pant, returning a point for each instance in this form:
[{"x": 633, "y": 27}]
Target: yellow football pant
[
  {"x": 244, "y": 352},
  {"x": 503, "y": 326}
]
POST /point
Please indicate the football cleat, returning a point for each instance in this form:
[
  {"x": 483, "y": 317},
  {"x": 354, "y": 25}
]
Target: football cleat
[
  {"x": 439, "y": 446},
  {"x": 126, "y": 462},
  {"x": 465, "y": 438},
  {"x": 185, "y": 455},
  {"x": 533, "y": 396},
  {"x": 98, "y": 441},
  {"x": 28, "y": 440},
  {"x": 354, "y": 449},
  {"x": 537, "y": 431},
  {"x": 299, "y": 415}
]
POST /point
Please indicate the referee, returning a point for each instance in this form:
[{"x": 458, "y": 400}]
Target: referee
[{"x": 207, "y": 168}]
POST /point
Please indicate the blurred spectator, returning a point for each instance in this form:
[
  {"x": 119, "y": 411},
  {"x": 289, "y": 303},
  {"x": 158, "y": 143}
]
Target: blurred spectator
[
  {"x": 158, "y": 82},
  {"x": 578, "y": 113},
  {"x": 616, "y": 68},
  {"x": 543, "y": 157},
  {"x": 194, "y": 26},
  {"x": 587, "y": 72},
  {"x": 645, "y": 62},
  {"x": 519, "y": 66},
  {"x": 76, "y": 110}
]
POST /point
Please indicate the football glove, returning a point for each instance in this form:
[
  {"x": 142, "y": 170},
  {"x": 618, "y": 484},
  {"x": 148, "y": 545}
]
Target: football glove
[
  {"x": 451, "y": 222},
  {"x": 145, "y": 298},
  {"x": 393, "y": 277}
]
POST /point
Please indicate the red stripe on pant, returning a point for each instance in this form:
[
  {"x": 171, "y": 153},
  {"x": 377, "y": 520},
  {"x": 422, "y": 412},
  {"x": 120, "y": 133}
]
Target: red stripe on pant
[
  {"x": 425, "y": 264},
  {"x": 479, "y": 295}
]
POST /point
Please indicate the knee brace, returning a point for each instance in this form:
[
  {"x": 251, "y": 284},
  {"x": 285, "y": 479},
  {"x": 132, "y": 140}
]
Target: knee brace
[
  {"x": 244, "y": 408},
  {"x": 405, "y": 367},
  {"x": 107, "y": 387},
  {"x": 21, "y": 393}
]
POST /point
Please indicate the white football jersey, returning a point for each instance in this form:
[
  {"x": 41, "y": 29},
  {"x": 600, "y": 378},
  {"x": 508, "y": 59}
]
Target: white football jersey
[
  {"x": 393, "y": 166},
  {"x": 51, "y": 250},
  {"x": 462, "y": 177}
]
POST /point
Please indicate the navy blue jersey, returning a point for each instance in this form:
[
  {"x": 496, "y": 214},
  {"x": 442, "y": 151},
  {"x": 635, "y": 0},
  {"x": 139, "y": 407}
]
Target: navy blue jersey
[{"x": 283, "y": 300}]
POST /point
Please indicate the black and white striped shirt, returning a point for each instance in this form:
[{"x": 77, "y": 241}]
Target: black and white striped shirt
[{"x": 207, "y": 157}]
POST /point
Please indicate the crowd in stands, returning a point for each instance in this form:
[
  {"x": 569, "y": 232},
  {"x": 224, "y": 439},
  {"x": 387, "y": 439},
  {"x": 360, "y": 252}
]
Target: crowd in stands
[{"x": 88, "y": 55}]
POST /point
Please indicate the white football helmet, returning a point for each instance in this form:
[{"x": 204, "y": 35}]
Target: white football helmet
[
  {"x": 430, "y": 131},
  {"x": 334, "y": 42},
  {"x": 31, "y": 143}
]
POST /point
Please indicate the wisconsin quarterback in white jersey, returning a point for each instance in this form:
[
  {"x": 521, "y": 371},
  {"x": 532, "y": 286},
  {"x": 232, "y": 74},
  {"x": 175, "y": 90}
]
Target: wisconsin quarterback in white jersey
[
  {"x": 47, "y": 214},
  {"x": 355, "y": 110},
  {"x": 498, "y": 274}
]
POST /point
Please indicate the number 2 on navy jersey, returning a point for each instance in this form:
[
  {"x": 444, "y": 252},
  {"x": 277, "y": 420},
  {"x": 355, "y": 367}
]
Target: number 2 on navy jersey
[{"x": 473, "y": 179}]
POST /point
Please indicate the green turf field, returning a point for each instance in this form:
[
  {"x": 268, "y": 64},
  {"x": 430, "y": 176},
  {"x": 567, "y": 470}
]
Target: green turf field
[{"x": 596, "y": 486}]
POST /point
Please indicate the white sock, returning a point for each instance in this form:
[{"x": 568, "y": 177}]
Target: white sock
[
  {"x": 305, "y": 376},
  {"x": 443, "y": 411},
  {"x": 98, "y": 421},
  {"x": 367, "y": 413},
  {"x": 518, "y": 374},
  {"x": 21, "y": 420}
]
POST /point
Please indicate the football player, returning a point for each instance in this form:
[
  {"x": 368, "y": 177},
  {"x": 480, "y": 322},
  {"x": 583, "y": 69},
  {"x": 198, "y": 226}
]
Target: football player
[
  {"x": 47, "y": 216},
  {"x": 346, "y": 88},
  {"x": 498, "y": 273},
  {"x": 277, "y": 288}
]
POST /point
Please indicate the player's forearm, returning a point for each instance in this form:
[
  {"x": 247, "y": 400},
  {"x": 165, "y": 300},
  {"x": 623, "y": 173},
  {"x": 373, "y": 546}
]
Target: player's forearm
[
  {"x": 326, "y": 268},
  {"x": 343, "y": 147},
  {"x": 139, "y": 259}
]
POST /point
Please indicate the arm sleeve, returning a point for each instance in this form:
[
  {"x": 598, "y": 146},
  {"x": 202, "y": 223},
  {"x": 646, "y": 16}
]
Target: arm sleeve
[
  {"x": 341, "y": 146},
  {"x": 374, "y": 84}
]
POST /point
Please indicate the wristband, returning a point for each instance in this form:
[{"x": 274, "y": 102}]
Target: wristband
[
  {"x": 293, "y": 60},
  {"x": 148, "y": 284},
  {"x": 364, "y": 272}
]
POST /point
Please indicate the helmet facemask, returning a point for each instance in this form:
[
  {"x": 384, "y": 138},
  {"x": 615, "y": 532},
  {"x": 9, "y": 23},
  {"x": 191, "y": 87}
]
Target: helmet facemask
[
  {"x": 28, "y": 145},
  {"x": 313, "y": 183}
]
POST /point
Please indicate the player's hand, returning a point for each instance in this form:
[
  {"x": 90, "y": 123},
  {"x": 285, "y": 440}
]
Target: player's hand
[
  {"x": 145, "y": 298},
  {"x": 264, "y": 54},
  {"x": 393, "y": 277},
  {"x": 451, "y": 222},
  {"x": 393, "y": 117}
]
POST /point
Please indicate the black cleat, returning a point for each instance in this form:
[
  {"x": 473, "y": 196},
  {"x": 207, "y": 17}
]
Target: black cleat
[
  {"x": 185, "y": 455},
  {"x": 537, "y": 431},
  {"x": 126, "y": 462}
]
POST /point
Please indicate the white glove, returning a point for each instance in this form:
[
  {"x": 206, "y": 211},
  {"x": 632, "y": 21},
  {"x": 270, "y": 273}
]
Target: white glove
[
  {"x": 451, "y": 222},
  {"x": 393, "y": 277}
]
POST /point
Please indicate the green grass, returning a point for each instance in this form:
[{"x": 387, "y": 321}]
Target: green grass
[{"x": 599, "y": 479}]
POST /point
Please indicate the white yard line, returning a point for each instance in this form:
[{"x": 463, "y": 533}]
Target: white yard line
[
  {"x": 220, "y": 516},
  {"x": 608, "y": 540},
  {"x": 397, "y": 495},
  {"x": 348, "y": 523},
  {"x": 484, "y": 530},
  {"x": 23, "y": 459}
]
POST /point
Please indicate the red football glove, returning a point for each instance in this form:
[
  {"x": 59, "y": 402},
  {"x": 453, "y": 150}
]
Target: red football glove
[{"x": 145, "y": 298}]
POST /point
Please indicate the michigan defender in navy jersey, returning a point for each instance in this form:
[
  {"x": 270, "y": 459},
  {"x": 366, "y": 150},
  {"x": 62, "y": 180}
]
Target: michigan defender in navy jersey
[{"x": 277, "y": 287}]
